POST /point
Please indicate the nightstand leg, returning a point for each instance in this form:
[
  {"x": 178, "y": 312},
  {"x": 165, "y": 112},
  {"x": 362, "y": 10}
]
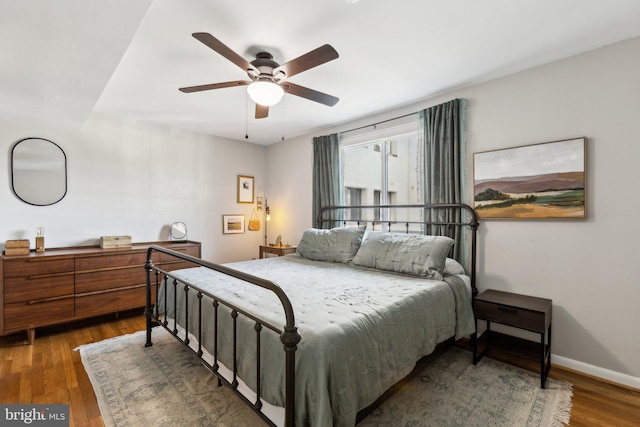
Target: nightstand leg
[
  {"x": 474, "y": 343},
  {"x": 543, "y": 376},
  {"x": 548, "y": 367}
]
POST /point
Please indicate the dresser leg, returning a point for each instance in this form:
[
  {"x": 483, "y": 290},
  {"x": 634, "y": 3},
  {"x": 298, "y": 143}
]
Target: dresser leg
[{"x": 31, "y": 335}]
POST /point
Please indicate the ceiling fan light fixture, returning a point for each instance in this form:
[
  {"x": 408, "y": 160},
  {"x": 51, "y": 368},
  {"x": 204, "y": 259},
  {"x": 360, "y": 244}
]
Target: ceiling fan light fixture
[{"x": 265, "y": 93}]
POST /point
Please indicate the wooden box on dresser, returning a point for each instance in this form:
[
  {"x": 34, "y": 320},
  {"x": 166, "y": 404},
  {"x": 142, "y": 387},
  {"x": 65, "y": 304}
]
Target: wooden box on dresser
[{"x": 66, "y": 284}]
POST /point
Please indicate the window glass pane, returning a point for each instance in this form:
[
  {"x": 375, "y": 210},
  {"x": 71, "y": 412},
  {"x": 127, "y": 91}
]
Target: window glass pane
[
  {"x": 405, "y": 181},
  {"x": 387, "y": 171},
  {"x": 362, "y": 170},
  {"x": 353, "y": 197}
]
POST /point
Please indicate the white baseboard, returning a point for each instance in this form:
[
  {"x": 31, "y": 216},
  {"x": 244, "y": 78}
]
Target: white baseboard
[{"x": 606, "y": 374}]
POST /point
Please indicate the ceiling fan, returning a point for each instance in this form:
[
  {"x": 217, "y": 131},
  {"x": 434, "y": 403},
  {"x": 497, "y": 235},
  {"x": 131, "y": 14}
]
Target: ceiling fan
[{"x": 266, "y": 84}]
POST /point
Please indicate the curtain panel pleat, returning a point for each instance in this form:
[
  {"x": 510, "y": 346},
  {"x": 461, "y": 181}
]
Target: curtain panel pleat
[
  {"x": 327, "y": 175},
  {"x": 444, "y": 154}
]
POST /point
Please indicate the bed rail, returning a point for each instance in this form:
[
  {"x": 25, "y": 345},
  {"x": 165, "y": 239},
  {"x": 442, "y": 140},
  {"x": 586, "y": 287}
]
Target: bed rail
[
  {"x": 428, "y": 217},
  {"x": 289, "y": 335}
]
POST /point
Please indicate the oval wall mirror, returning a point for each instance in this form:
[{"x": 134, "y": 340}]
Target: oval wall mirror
[
  {"x": 38, "y": 171},
  {"x": 178, "y": 231}
]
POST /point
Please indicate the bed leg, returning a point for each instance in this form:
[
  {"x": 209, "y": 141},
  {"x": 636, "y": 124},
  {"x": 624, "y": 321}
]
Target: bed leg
[
  {"x": 148, "y": 310},
  {"x": 147, "y": 313},
  {"x": 290, "y": 339}
]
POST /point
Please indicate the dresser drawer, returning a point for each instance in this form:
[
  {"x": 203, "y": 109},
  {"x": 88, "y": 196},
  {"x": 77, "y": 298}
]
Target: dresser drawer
[
  {"x": 111, "y": 301},
  {"x": 169, "y": 262},
  {"x": 36, "y": 266},
  {"x": 21, "y": 315},
  {"x": 110, "y": 261},
  {"x": 188, "y": 250},
  {"x": 177, "y": 265},
  {"x": 19, "y": 289},
  {"x": 108, "y": 279},
  {"x": 512, "y": 316}
]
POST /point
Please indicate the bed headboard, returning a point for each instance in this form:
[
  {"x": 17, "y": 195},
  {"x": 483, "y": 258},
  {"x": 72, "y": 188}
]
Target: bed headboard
[{"x": 456, "y": 220}]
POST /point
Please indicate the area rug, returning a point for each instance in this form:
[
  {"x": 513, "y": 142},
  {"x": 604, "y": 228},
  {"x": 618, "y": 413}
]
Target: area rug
[{"x": 165, "y": 385}]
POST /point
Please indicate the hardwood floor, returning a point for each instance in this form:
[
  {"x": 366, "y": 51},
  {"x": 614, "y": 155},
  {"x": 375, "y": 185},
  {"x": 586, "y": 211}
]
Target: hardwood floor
[{"x": 50, "y": 371}]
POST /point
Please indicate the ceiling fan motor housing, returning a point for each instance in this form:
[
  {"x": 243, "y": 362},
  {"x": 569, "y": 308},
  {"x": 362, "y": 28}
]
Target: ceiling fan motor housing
[{"x": 265, "y": 64}]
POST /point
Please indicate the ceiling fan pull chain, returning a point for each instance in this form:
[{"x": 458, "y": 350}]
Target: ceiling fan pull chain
[
  {"x": 246, "y": 116},
  {"x": 282, "y": 106}
]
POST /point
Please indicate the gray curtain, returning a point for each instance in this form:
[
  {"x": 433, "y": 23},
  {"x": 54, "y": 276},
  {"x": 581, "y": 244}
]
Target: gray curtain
[
  {"x": 327, "y": 175},
  {"x": 444, "y": 153}
]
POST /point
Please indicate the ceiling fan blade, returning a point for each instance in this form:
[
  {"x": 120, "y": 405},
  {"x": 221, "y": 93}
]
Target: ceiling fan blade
[
  {"x": 261, "y": 111},
  {"x": 310, "y": 94},
  {"x": 211, "y": 86},
  {"x": 224, "y": 50},
  {"x": 307, "y": 61}
]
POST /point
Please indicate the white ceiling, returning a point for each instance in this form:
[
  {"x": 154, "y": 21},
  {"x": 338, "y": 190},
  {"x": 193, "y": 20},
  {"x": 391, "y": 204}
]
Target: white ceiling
[{"x": 62, "y": 60}]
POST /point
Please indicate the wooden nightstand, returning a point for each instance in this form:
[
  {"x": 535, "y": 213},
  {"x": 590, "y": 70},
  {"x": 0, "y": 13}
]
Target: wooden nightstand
[
  {"x": 519, "y": 311},
  {"x": 277, "y": 250}
]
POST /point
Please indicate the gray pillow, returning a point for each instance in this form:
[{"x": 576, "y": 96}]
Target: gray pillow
[
  {"x": 334, "y": 245},
  {"x": 418, "y": 255}
]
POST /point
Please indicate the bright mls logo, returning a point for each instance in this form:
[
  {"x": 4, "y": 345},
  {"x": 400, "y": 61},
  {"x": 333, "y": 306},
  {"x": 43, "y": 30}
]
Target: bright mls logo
[{"x": 37, "y": 415}]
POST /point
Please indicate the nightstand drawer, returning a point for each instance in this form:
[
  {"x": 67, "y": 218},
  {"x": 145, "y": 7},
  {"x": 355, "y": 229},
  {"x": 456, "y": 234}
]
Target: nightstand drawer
[{"x": 512, "y": 316}]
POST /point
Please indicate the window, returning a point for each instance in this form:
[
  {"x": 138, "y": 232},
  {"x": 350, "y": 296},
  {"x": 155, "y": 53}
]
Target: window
[{"x": 386, "y": 167}]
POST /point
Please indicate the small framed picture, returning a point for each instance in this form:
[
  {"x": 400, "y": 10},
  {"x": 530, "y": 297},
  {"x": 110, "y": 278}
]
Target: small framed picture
[
  {"x": 232, "y": 224},
  {"x": 245, "y": 189}
]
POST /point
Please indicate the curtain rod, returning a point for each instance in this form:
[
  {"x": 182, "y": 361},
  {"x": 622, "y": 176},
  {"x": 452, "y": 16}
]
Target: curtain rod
[{"x": 379, "y": 123}]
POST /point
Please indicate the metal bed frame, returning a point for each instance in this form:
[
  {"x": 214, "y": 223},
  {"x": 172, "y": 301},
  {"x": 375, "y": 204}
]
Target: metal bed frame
[{"x": 288, "y": 333}]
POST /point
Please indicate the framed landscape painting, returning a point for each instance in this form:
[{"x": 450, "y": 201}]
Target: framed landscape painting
[
  {"x": 232, "y": 224},
  {"x": 546, "y": 180}
]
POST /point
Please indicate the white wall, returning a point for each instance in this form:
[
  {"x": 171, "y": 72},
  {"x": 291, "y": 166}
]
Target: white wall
[
  {"x": 136, "y": 179},
  {"x": 588, "y": 267}
]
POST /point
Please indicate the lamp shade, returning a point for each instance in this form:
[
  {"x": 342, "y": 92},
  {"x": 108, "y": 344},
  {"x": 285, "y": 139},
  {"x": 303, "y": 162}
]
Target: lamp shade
[{"x": 265, "y": 93}]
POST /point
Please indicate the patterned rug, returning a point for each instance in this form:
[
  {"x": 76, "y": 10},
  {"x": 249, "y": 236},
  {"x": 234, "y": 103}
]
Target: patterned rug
[{"x": 165, "y": 385}]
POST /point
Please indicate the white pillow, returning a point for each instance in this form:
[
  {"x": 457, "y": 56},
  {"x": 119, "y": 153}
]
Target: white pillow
[
  {"x": 451, "y": 266},
  {"x": 418, "y": 255}
]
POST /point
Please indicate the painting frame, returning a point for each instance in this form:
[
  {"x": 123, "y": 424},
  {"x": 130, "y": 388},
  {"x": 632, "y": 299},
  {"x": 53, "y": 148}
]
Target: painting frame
[
  {"x": 245, "y": 189},
  {"x": 233, "y": 224},
  {"x": 546, "y": 180}
]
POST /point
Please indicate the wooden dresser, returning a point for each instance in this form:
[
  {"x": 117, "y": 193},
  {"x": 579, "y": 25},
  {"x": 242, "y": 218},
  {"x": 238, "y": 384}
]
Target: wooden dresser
[{"x": 66, "y": 284}]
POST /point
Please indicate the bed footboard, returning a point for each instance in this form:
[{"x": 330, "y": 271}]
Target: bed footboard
[{"x": 288, "y": 333}]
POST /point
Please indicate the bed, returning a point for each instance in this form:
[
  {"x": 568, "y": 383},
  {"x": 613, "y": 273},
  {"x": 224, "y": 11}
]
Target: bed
[{"x": 317, "y": 337}]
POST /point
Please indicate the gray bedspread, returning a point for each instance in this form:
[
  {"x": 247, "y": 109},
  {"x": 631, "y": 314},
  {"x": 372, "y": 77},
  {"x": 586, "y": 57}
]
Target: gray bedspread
[{"x": 362, "y": 330}]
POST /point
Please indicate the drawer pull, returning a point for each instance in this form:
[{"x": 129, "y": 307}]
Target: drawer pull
[
  {"x": 49, "y": 275},
  {"x": 507, "y": 309},
  {"x": 50, "y": 299},
  {"x": 45, "y": 259}
]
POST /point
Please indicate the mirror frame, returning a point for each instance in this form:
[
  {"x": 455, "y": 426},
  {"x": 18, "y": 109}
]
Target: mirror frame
[
  {"x": 23, "y": 197},
  {"x": 178, "y": 227}
]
